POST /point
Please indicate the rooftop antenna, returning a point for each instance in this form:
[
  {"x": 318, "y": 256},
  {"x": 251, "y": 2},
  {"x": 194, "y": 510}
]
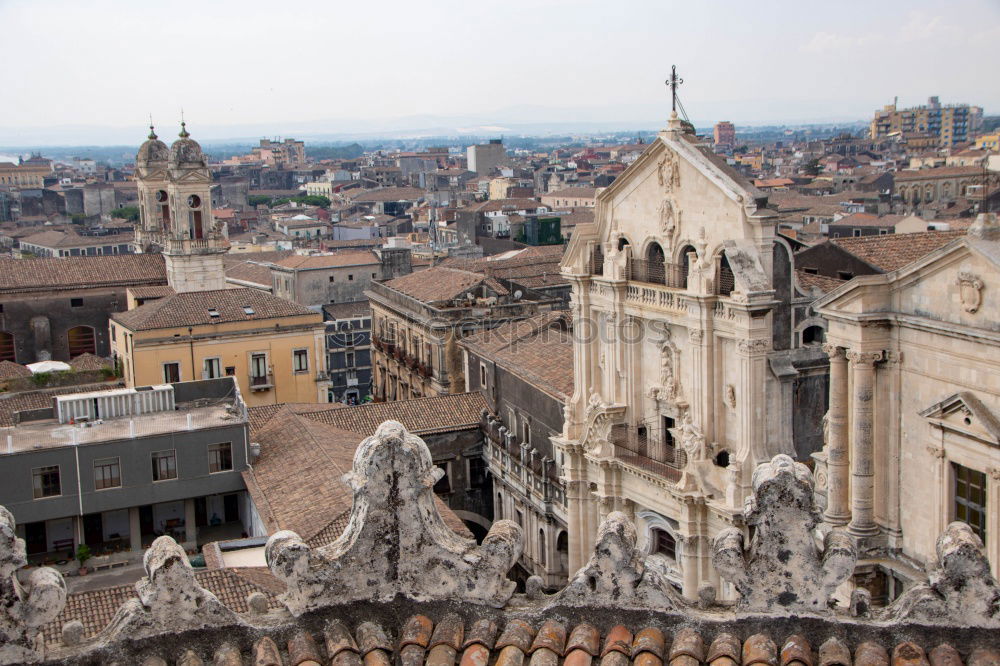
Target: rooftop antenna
[{"x": 675, "y": 101}]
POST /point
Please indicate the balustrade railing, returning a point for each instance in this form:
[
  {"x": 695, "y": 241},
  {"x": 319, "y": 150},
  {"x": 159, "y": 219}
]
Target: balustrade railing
[{"x": 657, "y": 272}]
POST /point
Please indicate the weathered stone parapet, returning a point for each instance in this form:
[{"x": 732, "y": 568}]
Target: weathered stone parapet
[
  {"x": 170, "y": 599},
  {"x": 782, "y": 571},
  {"x": 618, "y": 575},
  {"x": 395, "y": 541},
  {"x": 24, "y": 608},
  {"x": 960, "y": 588}
]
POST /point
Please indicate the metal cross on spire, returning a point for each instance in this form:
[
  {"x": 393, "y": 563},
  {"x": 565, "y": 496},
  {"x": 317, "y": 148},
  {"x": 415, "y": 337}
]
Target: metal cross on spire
[{"x": 672, "y": 83}]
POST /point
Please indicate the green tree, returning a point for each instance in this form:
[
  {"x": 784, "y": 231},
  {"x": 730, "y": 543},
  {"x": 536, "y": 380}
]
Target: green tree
[
  {"x": 812, "y": 167},
  {"x": 259, "y": 199},
  {"x": 130, "y": 213}
]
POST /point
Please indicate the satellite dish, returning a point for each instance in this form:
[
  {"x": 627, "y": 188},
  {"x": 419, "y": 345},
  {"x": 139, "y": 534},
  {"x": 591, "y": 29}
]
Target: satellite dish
[{"x": 517, "y": 294}]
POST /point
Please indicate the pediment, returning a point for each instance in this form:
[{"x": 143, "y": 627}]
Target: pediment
[
  {"x": 193, "y": 177},
  {"x": 964, "y": 413}
]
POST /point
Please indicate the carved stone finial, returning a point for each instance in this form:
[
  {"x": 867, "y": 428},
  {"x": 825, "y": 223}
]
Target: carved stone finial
[
  {"x": 986, "y": 227},
  {"x": 618, "y": 575},
  {"x": 395, "y": 541},
  {"x": 783, "y": 570},
  {"x": 24, "y": 609},
  {"x": 960, "y": 588},
  {"x": 170, "y": 598}
]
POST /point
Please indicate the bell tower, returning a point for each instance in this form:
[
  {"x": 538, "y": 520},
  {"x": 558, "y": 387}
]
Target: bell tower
[{"x": 176, "y": 203}]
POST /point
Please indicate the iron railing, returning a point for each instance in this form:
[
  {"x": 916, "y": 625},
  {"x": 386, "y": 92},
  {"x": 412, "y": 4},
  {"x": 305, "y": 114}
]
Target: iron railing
[
  {"x": 657, "y": 272},
  {"x": 653, "y": 453}
]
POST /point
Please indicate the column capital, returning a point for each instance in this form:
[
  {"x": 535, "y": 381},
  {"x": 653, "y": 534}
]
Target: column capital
[
  {"x": 869, "y": 358},
  {"x": 834, "y": 351}
]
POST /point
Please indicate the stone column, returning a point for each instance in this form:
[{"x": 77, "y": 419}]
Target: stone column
[
  {"x": 862, "y": 445},
  {"x": 134, "y": 529},
  {"x": 190, "y": 530},
  {"x": 838, "y": 489}
]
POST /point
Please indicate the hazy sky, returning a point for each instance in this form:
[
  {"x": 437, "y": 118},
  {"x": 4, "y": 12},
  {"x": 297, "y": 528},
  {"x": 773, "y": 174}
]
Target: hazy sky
[{"x": 338, "y": 65}]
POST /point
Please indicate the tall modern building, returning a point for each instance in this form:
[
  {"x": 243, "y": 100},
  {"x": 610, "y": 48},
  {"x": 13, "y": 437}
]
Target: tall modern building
[
  {"x": 483, "y": 158},
  {"x": 950, "y": 123}
]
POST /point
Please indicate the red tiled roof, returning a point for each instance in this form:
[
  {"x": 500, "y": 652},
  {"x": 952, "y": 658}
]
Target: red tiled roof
[
  {"x": 193, "y": 309},
  {"x": 113, "y": 270},
  {"x": 436, "y": 284},
  {"x": 893, "y": 251}
]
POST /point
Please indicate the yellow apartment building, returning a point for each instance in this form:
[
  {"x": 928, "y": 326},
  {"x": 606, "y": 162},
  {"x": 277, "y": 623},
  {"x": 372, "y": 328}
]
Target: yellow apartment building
[{"x": 274, "y": 347}]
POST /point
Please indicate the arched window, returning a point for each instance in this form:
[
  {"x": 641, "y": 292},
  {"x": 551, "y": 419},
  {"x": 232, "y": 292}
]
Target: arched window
[
  {"x": 622, "y": 243},
  {"x": 81, "y": 340},
  {"x": 163, "y": 202},
  {"x": 655, "y": 270},
  {"x": 664, "y": 543},
  {"x": 542, "y": 555},
  {"x": 813, "y": 335},
  {"x": 562, "y": 550},
  {"x": 726, "y": 280},
  {"x": 685, "y": 263},
  {"x": 7, "y": 352}
]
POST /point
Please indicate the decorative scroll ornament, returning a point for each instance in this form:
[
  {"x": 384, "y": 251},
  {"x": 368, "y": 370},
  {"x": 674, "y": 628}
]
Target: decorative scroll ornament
[
  {"x": 960, "y": 589},
  {"x": 170, "y": 598},
  {"x": 618, "y": 575},
  {"x": 24, "y": 609},
  {"x": 970, "y": 289},
  {"x": 668, "y": 172},
  {"x": 783, "y": 571},
  {"x": 395, "y": 542}
]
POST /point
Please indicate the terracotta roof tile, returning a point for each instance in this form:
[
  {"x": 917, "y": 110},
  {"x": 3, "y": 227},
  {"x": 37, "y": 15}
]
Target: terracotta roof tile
[
  {"x": 95, "y": 608},
  {"x": 539, "y": 350},
  {"x": 820, "y": 283},
  {"x": 332, "y": 260},
  {"x": 436, "y": 284},
  {"x": 117, "y": 270},
  {"x": 290, "y": 482},
  {"x": 11, "y": 370},
  {"x": 893, "y": 251},
  {"x": 193, "y": 309}
]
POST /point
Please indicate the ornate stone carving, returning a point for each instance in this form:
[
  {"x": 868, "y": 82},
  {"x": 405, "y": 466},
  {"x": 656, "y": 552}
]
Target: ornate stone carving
[
  {"x": 865, "y": 358},
  {"x": 753, "y": 346},
  {"x": 970, "y": 289},
  {"x": 170, "y": 598},
  {"x": 833, "y": 351},
  {"x": 936, "y": 451},
  {"x": 669, "y": 219},
  {"x": 395, "y": 541},
  {"x": 668, "y": 171},
  {"x": 24, "y": 609},
  {"x": 960, "y": 588},
  {"x": 692, "y": 439},
  {"x": 597, "y": 427},
  {"x": 783, "y": 570},
  {"x": 696, "y": 335},
  {"x": 618, "y": 575},
  {"x": 731, "y": 396}
]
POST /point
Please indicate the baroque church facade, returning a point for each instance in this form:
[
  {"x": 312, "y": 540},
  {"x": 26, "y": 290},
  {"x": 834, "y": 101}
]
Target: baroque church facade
[{"x": 696, "y": 357}]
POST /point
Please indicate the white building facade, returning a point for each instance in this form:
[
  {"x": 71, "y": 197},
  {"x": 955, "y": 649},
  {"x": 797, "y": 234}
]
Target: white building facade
[{"x": 687, "y": 356}]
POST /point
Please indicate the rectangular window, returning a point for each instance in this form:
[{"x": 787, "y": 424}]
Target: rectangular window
[
  {"x": 230, "y": 370},
  {"x": 482, "y": 375},
  {"x": 970, "y": 498},
  {"x": 211, "y": 369},
  {"x": 477, "y": 472},
  {"x": 45, "y": 481},
  {"x": 164, "y": 465},
  {"x": 300, "y": 360},
  {"x": 350, "y": 277},
  {"x": 107, "y": 473},
  {"x": 76, "y": 302},
  {"x": 349, "y": 359},
  {"x": 258, "y": 369},
  {"x": 171, "y": 372},
  {"x": 220, "y": 457}
]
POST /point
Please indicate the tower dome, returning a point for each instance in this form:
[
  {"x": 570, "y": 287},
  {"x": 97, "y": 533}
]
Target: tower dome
[
  {"x": 153, "y": 152},
  {"x": 186, "y": 152}
]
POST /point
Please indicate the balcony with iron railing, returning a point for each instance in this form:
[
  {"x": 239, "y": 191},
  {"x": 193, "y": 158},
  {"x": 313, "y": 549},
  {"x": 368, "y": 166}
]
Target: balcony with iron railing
[
  {"x": 635, "y": 446},
  {"x": 657, "y": 272}
]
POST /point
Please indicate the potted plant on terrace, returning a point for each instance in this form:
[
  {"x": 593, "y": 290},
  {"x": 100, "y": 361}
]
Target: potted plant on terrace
[{"x": 82, "y": 555}]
